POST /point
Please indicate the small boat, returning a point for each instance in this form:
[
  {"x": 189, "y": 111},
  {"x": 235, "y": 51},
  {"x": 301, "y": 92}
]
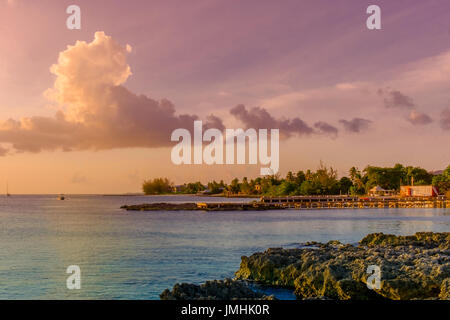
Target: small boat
[
  {"x": 7, "y": 192},
  {"x": 61, "y": 197}
]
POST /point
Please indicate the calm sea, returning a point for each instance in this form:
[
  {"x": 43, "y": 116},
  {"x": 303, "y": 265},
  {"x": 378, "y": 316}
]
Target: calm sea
[{"x": 136, "y": 255}]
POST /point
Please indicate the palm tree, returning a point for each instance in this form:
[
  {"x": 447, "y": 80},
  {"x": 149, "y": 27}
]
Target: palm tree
[
  {"x": 354, "y": 173},
  {"x": 356, "y": 177},
  {"x": 290, "y": 176}
]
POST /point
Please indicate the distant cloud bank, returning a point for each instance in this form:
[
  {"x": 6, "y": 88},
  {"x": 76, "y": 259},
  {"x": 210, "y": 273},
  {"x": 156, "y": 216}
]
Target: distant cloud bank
[{"x": 96, "y": 111}]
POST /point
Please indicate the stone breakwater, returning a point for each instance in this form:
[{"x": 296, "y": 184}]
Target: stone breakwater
[
  {"x": 202, "y": 206},
  {"x": 161, "y": 206},
  {"x": 412, "y": 267}
]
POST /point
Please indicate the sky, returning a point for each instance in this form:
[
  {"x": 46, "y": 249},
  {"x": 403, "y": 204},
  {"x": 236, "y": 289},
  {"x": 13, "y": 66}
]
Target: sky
[{"x": 92, "y": 110}]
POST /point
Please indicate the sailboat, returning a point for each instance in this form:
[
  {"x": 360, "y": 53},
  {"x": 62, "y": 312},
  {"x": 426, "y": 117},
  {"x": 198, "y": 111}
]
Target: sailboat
[{"x": 7, "y": 192}]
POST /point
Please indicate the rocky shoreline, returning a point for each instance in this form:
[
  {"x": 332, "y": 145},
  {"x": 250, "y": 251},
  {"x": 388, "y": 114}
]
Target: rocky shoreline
[
  {"x": 412, "y": 267},
  {"x": 227, "y": 289}
]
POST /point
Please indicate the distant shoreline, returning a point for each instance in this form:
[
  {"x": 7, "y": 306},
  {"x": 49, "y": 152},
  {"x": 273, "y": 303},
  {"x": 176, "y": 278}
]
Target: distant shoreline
[{"x": 219, "y": 195}]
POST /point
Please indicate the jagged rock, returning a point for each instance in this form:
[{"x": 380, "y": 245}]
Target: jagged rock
[
  {"x": 412, "y": 267},
  {"x": 213, "y": 290},
  {"x": 420, "y": 239},
  {"x": 445, "y": 290}
]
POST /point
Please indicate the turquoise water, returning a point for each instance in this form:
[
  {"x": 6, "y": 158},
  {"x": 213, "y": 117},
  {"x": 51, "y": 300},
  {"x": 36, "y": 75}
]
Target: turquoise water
[{"x": 136, "y": 255}]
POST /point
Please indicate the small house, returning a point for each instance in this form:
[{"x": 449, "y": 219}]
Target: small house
[
  {"x": 376, "y": 191},
  {"x": 418, "y": 191}
]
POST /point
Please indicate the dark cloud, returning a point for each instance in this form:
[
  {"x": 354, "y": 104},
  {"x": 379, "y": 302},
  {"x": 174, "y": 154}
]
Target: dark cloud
[
  {"x": 396, "y": 99},
  {"x": 419, "y": 118},
  {"x": 356, "y": 125},
  {"x": 326, "y": 129},
  {"x": 99, "y": 113},
  {"x": 260, "y": 118},
  {"x": 213, "y": 122},
  {"x": 445, "y": 119},
  {"x": 135, "y": 121}
]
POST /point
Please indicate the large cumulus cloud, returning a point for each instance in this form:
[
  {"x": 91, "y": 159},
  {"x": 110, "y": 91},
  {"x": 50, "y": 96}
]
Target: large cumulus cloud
[{"x": 97, "y": 111}]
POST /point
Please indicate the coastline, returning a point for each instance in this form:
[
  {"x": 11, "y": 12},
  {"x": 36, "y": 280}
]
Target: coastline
[{"x": 411, "y": 267}]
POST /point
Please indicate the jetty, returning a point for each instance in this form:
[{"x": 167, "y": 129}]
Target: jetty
[
  {"x": 328, "y": 202},
  {"x": 300, "y": 202}
]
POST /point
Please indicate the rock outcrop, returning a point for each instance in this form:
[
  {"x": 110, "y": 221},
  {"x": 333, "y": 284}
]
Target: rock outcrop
[
  {"x": 412, "y": 267},
  {"x": 213, "y": 290}
]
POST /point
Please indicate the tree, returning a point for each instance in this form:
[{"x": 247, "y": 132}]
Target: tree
[
  {"x": 385, "y": 177},
  {"x": 290, "y": 176},
  {"x": 157, "y": 186},
  {"x": 245, "y": 186},
  {"x": 215, "y": 187},
  {"x": 286, "y": 188},
  {"x": 357, "y": 179},
  {"x": 442, "y": 181},
  {"x": 307, "y": 188},
  {"x": 234, "y": 185},
  {"x": 326, "y": 179},
  {"x": 354, "y": 174},
  {"x": 419, "y": 175},
  {"x": 344, "y": 185},
  {"x": 300, "y": 177},
  {"x": 194, "y": 187}
]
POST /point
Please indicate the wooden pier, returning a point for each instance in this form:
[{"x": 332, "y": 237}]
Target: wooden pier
[
  {"x": 236, "y": 206},
  {"x": 328, "y": 202},
  {"x": 300, "y": 202}
]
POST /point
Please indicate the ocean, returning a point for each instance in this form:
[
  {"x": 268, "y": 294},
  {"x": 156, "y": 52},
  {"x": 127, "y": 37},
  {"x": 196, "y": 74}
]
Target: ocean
[{"x": 136, "y": 255}]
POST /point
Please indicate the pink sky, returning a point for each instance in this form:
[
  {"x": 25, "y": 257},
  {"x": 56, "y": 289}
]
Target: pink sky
[{"x": 385, "y": 92}]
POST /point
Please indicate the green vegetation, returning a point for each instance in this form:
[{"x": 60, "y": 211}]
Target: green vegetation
[
  {"x": 323, "y": 181},
  {"x": 387, "y": 178},
  {"x": 442, "y": 181},
  {"x": 157, "y": 186},
  {"x": 193, "y": 187}
]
